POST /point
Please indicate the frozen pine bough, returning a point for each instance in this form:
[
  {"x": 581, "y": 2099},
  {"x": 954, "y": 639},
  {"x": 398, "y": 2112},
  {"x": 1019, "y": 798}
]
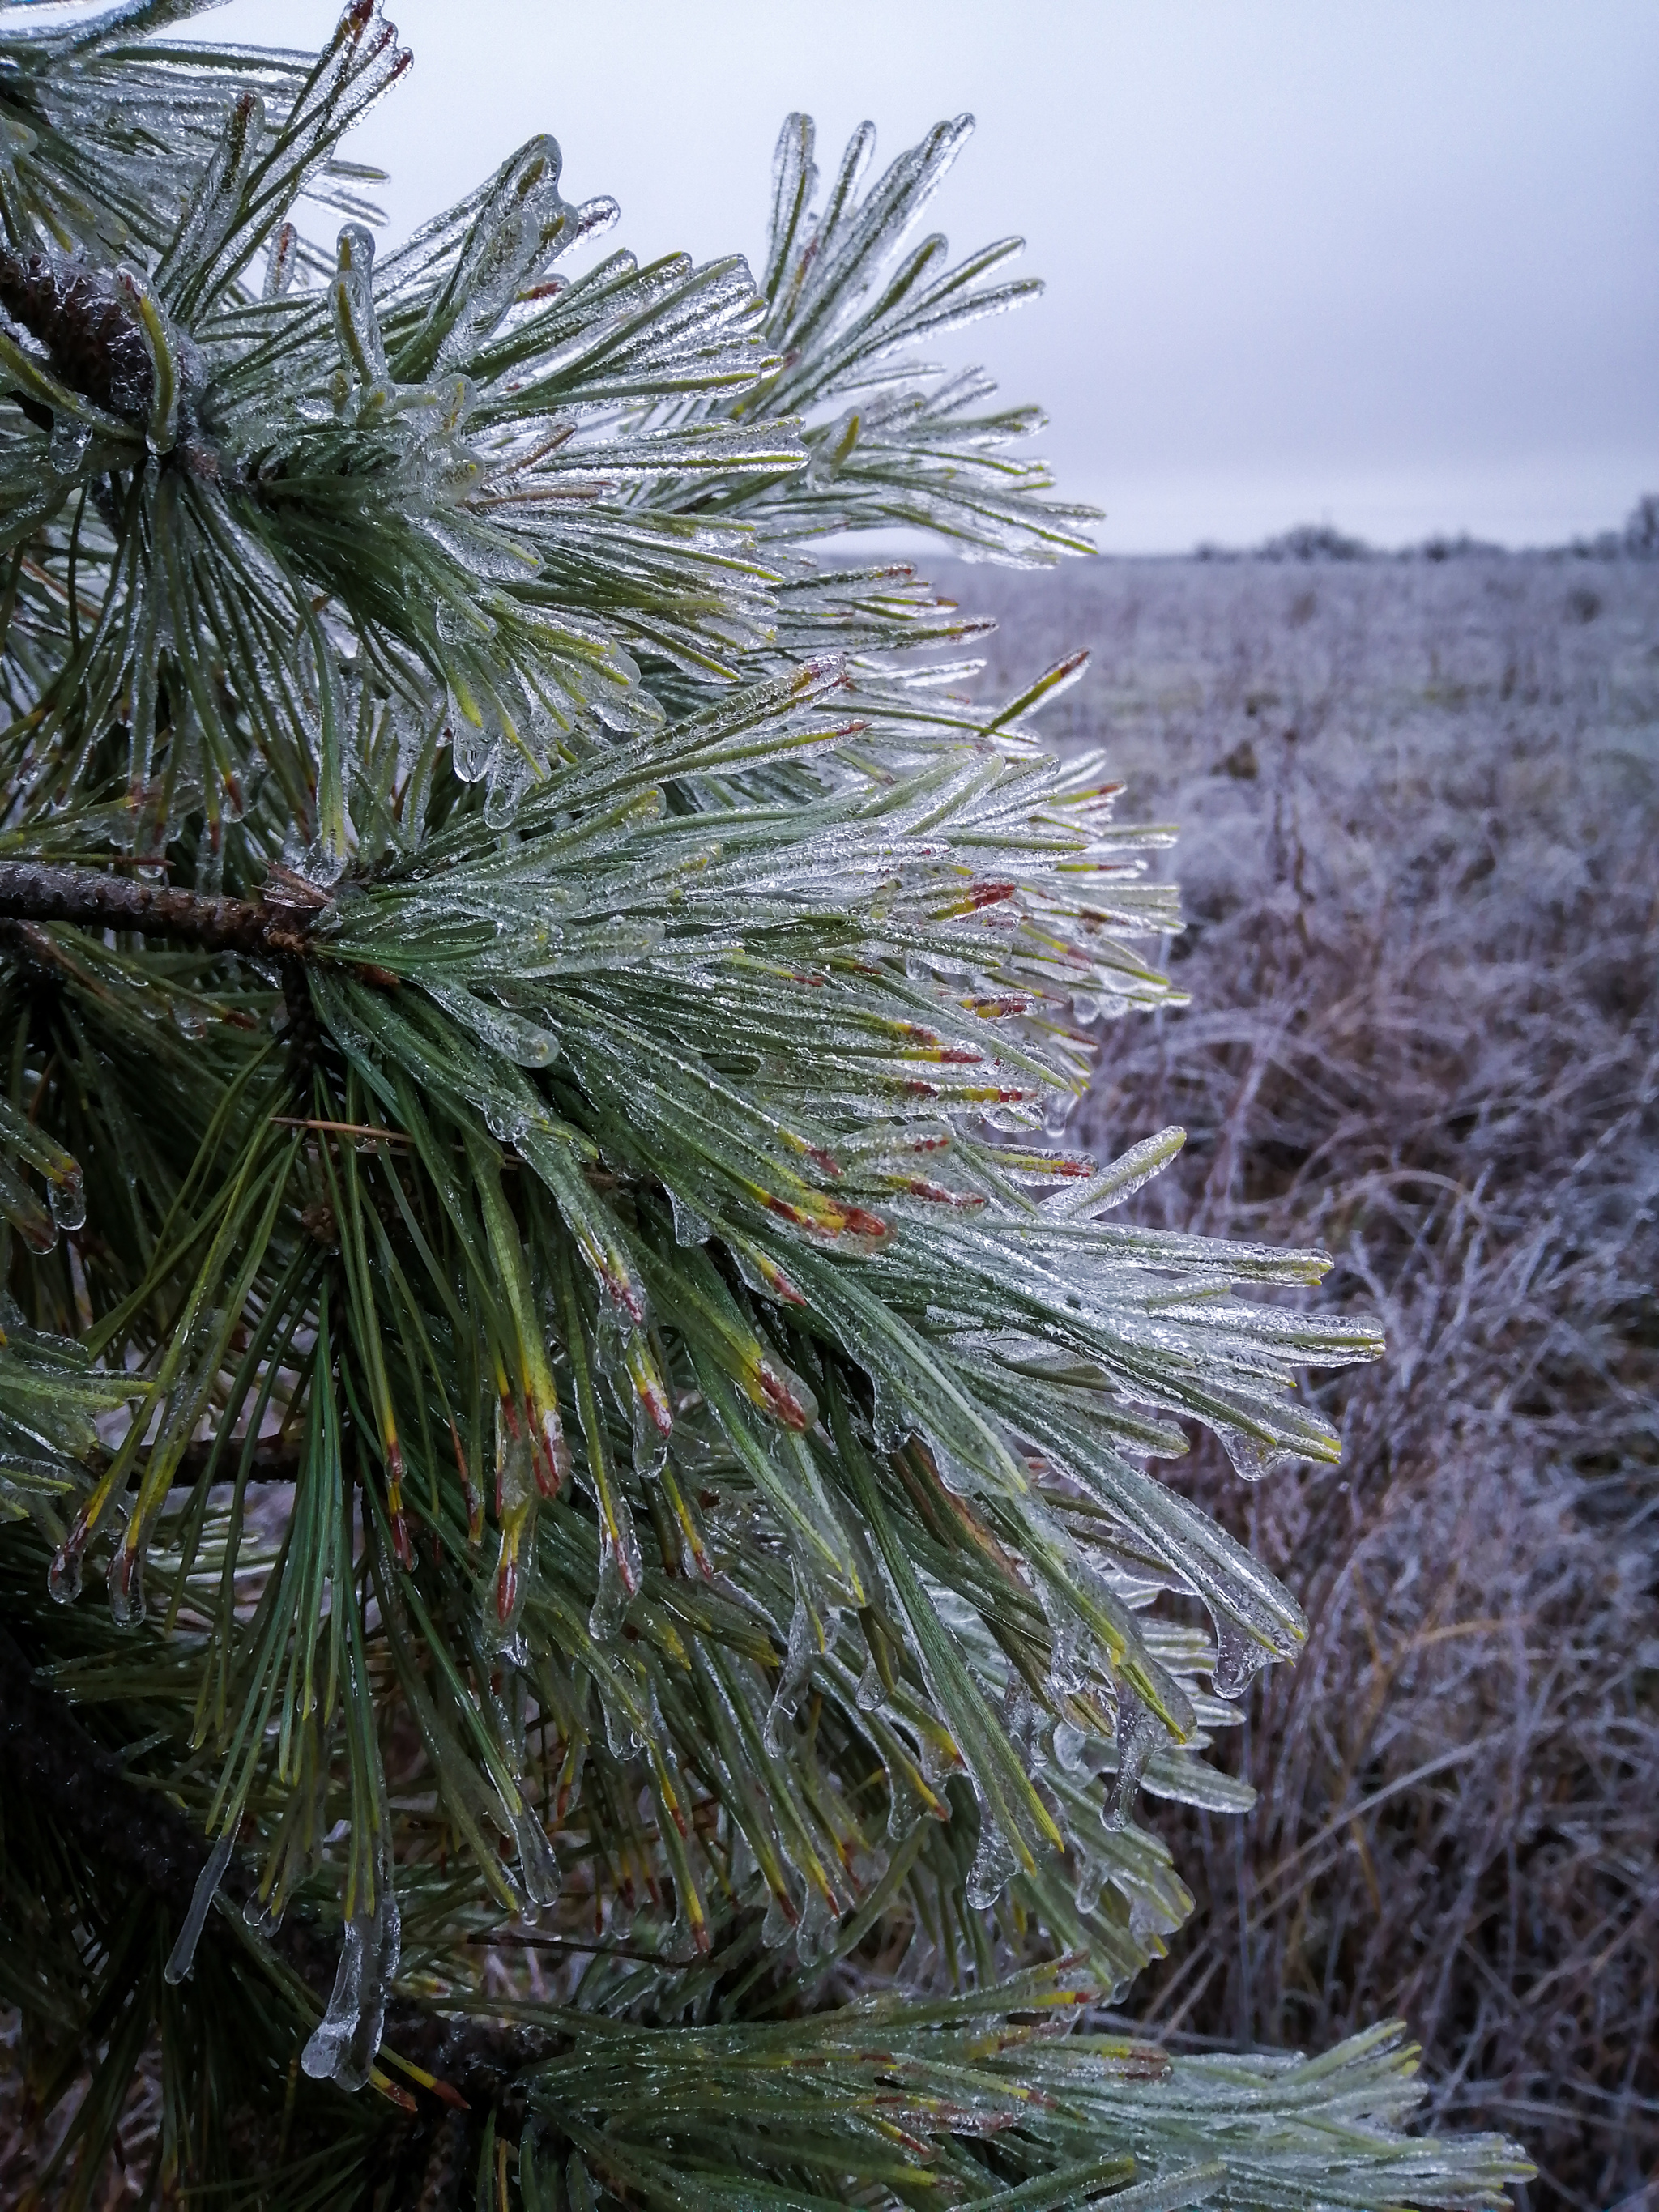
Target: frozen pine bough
[{"x": 590, "y": 1616}]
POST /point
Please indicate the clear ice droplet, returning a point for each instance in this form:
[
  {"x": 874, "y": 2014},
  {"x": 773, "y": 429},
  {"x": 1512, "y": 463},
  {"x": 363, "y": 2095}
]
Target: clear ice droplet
[
  {"x": 689, "y": 1227},
  {"x": 67, "y": 1196},
  {"x": 650, "y": 1445},
  {"x": 263, "y": 1915},
  {"x": 1070, "y": 1744},
  {"x": 472, "y": 749},
  {"x": 1251, "y": 1458},
  {"x": 1239, "y": 1658},
  {"x": 67, "y": 447},
  {"x": 814, "y": 1936},
  {"x": 63, "y": 1576}
]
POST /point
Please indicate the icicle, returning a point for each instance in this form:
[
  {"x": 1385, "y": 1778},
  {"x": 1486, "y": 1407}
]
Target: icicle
[
  {"x": 620, "y": 1734},
  {"x": 539, "y": 1865},
  {"x": 342, "y": 2047},
  {"x": 937, "y": 1767},
  {"x": 516, "y": 1505},
  {"x": 817, "y": 1928},
  {"x": 357, "y": 324},
  {"x": 1057, "y": 1111},
  {"x": 905, "y": 1805},
  {"x": 182, "y": 1956},
  {"x": 994, "y": 1861},
  {"x": 1069, "y": 1647},
  {"x": 281, "y": 262},
  {"x": 126, "y": 1585},
  {"x": 1091, "y": 1879},
  {"x": 523, "y": 224},
  {"x": 619, "y": 1578},
  {"x": 474, "y": 738},
  {"x": 264, "y": 1916},
  {"x": 805, "y": 1644},
  {"x": 741, "y": 1862},
  {"x": 510, "y": 776},
  {"x": 325, "y": 2050},
  {"x": 1119, "y": 1180},
  {"x": 1019, "y": 1717},
  {"x": 1139, "y": 1733}
]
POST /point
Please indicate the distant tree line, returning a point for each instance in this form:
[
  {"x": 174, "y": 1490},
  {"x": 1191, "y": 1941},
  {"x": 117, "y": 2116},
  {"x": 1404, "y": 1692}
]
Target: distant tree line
[{"x": 1638, "y": 540}]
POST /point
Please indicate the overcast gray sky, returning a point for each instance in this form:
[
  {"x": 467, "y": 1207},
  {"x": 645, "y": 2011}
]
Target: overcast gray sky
[{"x": 1391, "y": 264}]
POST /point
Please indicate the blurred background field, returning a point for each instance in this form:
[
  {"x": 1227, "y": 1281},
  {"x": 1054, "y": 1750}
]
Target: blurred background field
[{"x": 1419, "y": 802}]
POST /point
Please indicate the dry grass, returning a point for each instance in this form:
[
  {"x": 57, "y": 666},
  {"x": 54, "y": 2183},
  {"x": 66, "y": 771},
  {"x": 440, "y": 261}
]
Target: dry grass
[{"x": 1421, "y": 804}]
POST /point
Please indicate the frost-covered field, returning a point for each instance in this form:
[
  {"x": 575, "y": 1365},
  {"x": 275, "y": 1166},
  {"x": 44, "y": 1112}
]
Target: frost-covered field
[{"x": 1419, "y": 807}]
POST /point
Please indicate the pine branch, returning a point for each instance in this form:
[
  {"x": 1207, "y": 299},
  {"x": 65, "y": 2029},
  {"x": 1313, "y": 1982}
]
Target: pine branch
[
  {"x": 744, "y": 1506},
  {"x": 273, "y": 1459},
  {"x": 33, "y": 890}
]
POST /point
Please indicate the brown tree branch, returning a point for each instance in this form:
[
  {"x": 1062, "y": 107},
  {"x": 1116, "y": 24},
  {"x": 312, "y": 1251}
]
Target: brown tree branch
[{"x": 40, "y": 891}]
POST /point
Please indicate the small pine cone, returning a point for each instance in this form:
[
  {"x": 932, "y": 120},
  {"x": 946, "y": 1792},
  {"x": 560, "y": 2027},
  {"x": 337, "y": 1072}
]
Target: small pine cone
[
  {"x": 444, "y": 2182},
  {"x": 86, "y": 320}
]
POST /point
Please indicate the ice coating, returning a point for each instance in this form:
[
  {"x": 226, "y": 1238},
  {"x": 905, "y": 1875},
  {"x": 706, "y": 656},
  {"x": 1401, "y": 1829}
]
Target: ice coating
[
  {"x": 342, "y": 2047},
  {"x": 1140, "y": 1734},
  {"x": 620, "y": 1570},
  {"x": 804, "y": 1643},
  {"x": 126, "y": 1584},
  {"x": 182, "y": 1957},
  {"x": 993, "y": 1863},
  {"x": 539, "y": 1865}
]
